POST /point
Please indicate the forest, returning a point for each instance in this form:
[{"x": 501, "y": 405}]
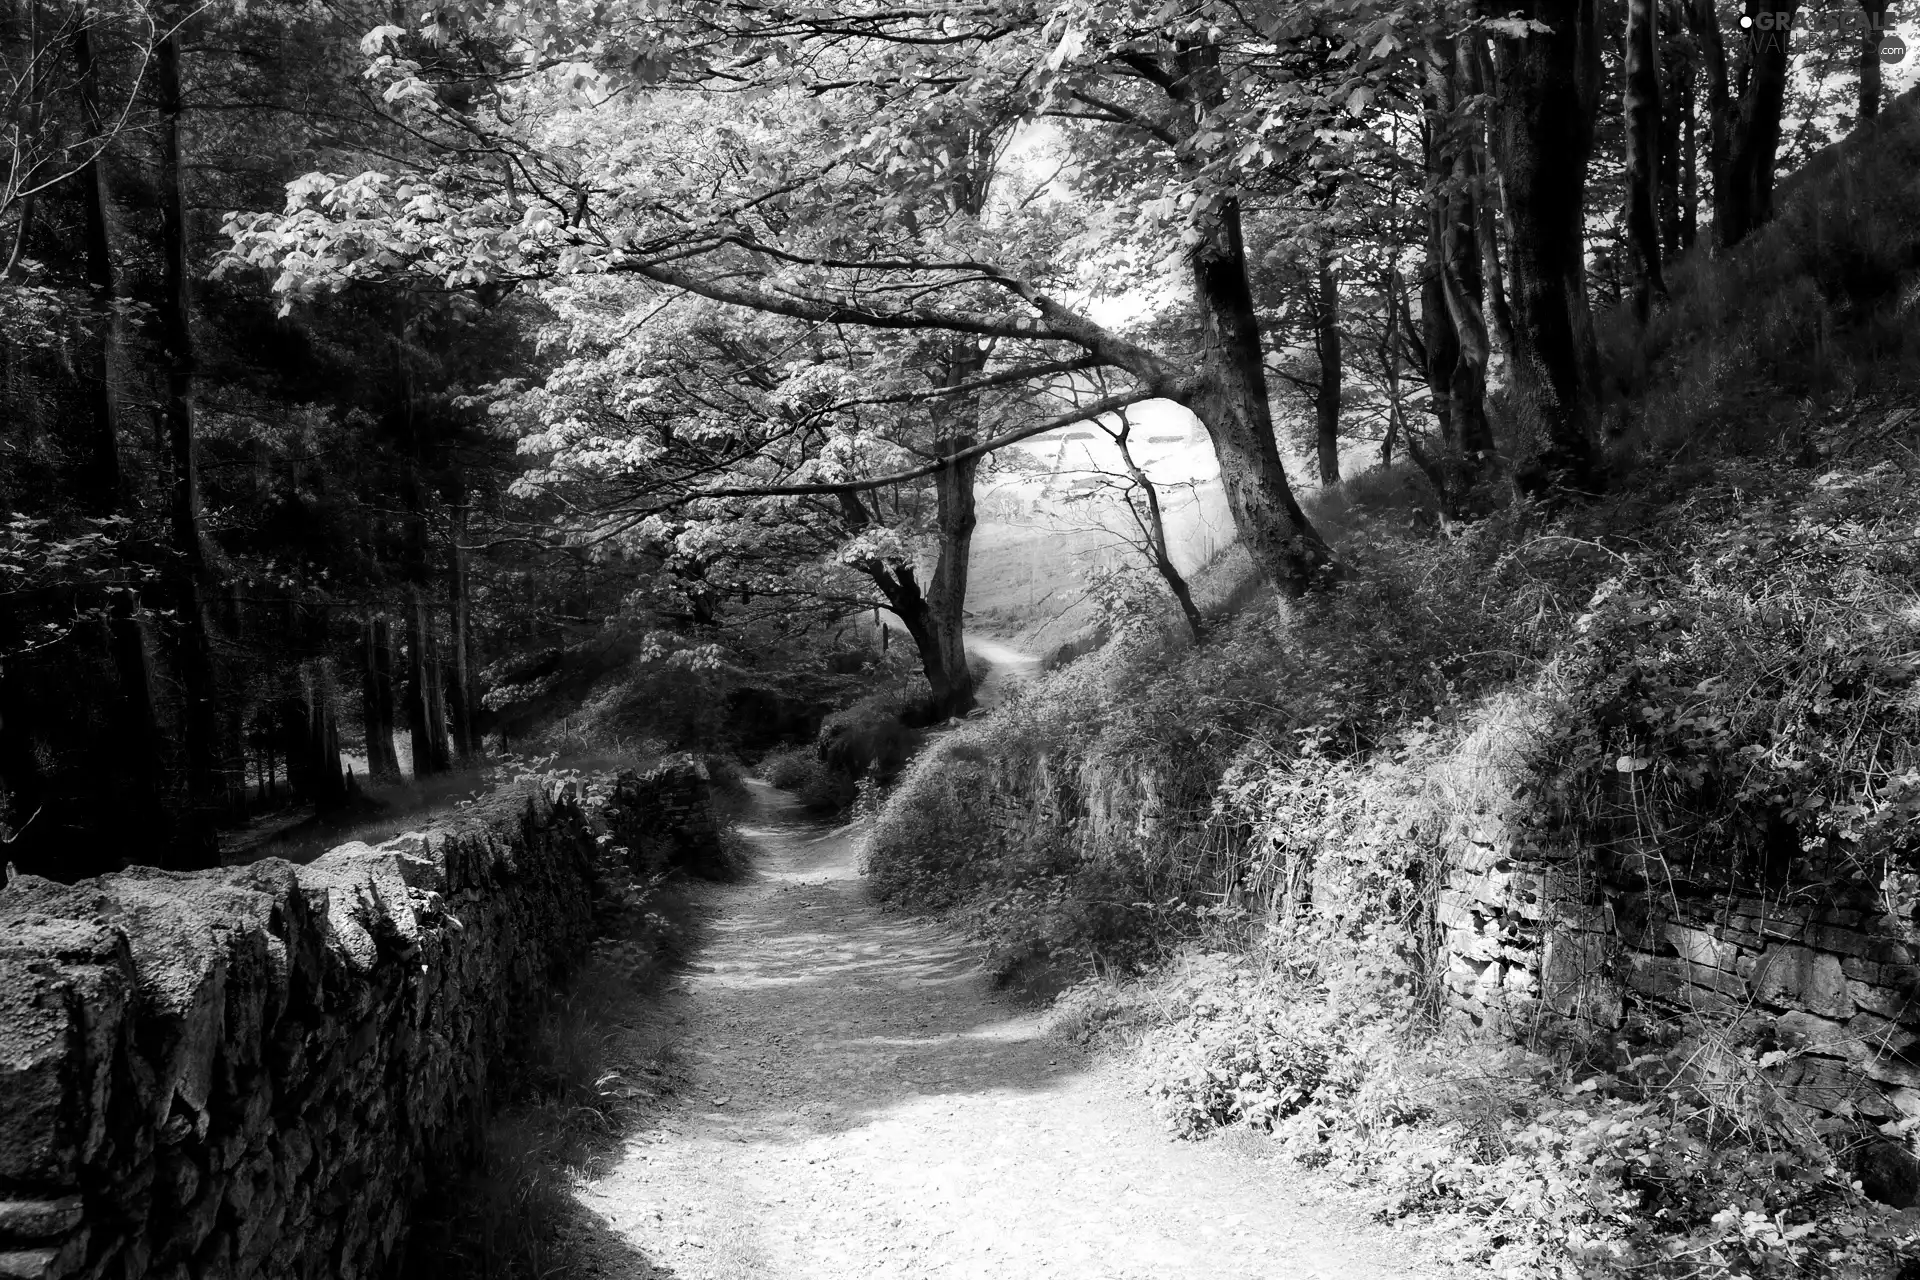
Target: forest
[
  {"x": 1360, "y": 549},
  {"x": 374, "y": 388}
]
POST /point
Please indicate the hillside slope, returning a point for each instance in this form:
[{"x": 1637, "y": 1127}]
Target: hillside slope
[{"x": 1697, "y": 694}]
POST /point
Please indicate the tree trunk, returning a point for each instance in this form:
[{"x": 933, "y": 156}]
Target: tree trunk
[
  {"x": 1875, "y": 14},
  {"x": 461, "y": 700},
  {"x": 1231, "y": 402},
  {"x": 197, "y": 845},
  {"x": 377, "y": 699},
  {"x": 1546, "y": 95},
  {"x": 1643, "y": 156},
  {"x": 947, "y": 594},
  {"x": 103, "y": 479},
  {"x": 1456, "y": 342},
  {"x": 1676, "y": 117},
  {"x": 137, "y": 714},
  {"x": 900, "y": 587},
  {"x": 1389, "y": 355},
  {"x": 909, "y": 604},
  {"x": 142, "y": 746},
  {"x": 326, "y": 784},
  {"x": 1476, "y": 64},
  {"x": 425, "y": 716},
  {"x": 1326, "y": 399},
  {"x": 1154, "y": 526},
  {"x": 1690, "y": 168},
  {"x": 1746, "y": 129}
]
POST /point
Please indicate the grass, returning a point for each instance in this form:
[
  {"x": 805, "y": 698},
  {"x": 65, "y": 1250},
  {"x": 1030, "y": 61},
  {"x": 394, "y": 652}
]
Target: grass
[{"x": 1810, "y": 315}]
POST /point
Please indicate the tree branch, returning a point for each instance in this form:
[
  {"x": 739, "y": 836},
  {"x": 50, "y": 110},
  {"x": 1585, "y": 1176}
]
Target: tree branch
[{"x": 1093, "y": 409}]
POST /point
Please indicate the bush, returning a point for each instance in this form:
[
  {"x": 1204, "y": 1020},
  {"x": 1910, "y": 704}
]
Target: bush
[
  {"x": 934, "y": 831},
  {"x": 817, "y": 785}
]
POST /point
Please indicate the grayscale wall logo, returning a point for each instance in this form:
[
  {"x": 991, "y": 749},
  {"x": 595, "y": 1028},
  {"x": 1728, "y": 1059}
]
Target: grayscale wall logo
[{"x": 1774, "y": 25}]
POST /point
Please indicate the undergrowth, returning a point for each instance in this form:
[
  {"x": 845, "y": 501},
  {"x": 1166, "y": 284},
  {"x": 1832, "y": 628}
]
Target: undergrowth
[
  {"x": 1684, "y": 1163},
  {"x": 1694, "y": 677}
]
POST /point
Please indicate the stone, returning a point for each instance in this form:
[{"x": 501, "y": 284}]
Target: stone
[
  {"x": 1574, "y": 978},
  {"x": 1664, "y": 976},
  {"x": 27, "y": 1221},
  {"x": 29, "y": 1264},
  {"x": 1454, "y": 910},
  {"x": 1871, "y": 1034},
  {"x": 1885, "y": 1001},
  {"x": 1701, "y": 947},
  {"x": 1796, "y": 977},
  {"x": 1829, "y": 1085},
  {"x": 1813, "y": 1033}
]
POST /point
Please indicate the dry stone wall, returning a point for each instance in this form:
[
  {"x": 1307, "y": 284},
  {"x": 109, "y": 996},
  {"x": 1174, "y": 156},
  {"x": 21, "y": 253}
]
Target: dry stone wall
[
  {"x": 251, "y": 1072},
  {"x": 1822, "y": 966}
]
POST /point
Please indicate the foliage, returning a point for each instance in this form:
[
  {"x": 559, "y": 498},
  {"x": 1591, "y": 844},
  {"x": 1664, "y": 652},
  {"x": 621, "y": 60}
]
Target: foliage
[
  {"x": 817, "y": 785},
  {"x": 1684, "y": 1164}
]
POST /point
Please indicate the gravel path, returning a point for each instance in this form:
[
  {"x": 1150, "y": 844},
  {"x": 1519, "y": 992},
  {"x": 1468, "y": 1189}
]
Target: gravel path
[{"x": 856, "y": 1101}]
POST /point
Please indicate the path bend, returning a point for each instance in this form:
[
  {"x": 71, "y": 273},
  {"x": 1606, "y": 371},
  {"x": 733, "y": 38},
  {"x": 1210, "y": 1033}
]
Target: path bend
[{"x": 858, "y": 1102}]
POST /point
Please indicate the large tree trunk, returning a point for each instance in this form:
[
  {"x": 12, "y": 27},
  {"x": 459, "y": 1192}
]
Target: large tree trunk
[
  {"x": 1875, "y": 14},
  {"x": 1643, "y": 155},
  {"x": 1746, "y": 129},
  {"x": 1476, "y": 66},
  {"x": 1546, "y": 96},
  {"x": 1676, "y": 125},
  {"x": 103, "y": 478},
  {"x": 1454, "y": 325},
  {"x": 1231, "y": 402},
  {"x": 907, "y": 602},
  {"x": 947, "y": 593},
  {"x": 426, "y": 718},
  {"x": 1326, "y": 397},
  {"x": 326, "y": 784},
  {"x": 462, "y": 701},
  {"x": 899, "y": 586},
  {"x": 142, "y": 746},
  {"x": 376, "y": 697},
  {"x": 190, "y": 567}
]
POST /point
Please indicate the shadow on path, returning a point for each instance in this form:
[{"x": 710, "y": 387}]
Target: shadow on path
[{"x": 859, "y": 1102}]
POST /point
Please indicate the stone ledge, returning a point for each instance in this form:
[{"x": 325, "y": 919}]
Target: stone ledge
[{"x": 251, "y": 1071}]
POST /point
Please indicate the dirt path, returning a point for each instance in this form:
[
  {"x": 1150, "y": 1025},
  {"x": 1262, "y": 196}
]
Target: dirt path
[
  {"x": 1009, "y": 669},
  {"x": 859, "y": 1103}
]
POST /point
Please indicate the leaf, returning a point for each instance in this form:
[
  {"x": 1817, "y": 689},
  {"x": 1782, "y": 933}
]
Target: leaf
[{"x": 376, "y": 40}]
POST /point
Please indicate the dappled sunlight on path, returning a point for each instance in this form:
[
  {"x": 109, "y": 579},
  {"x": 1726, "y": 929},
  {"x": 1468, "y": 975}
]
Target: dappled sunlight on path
[{"x": 859, "y": 1102}]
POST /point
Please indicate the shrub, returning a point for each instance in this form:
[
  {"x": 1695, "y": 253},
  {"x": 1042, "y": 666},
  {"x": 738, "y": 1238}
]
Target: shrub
[
  {"x": 817, "y": 785},
  {"x": 934, "y": 830}
]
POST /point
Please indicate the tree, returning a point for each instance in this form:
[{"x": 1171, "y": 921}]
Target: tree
[
  {"x": 1744, "y": 112},
  {"x": 1546, "y": 93},
  {"x": 772, "y": 231},
  {"x": 191, "y": 567},
  {"x": 1643, "y": 154},
  {"x": 1326, "y": 400},
  {"x": 1140, "y": 497}
]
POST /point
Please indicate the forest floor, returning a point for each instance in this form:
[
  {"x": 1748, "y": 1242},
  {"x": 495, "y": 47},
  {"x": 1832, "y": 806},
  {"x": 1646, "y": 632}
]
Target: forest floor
[{"x": 854, "y": 1100}]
